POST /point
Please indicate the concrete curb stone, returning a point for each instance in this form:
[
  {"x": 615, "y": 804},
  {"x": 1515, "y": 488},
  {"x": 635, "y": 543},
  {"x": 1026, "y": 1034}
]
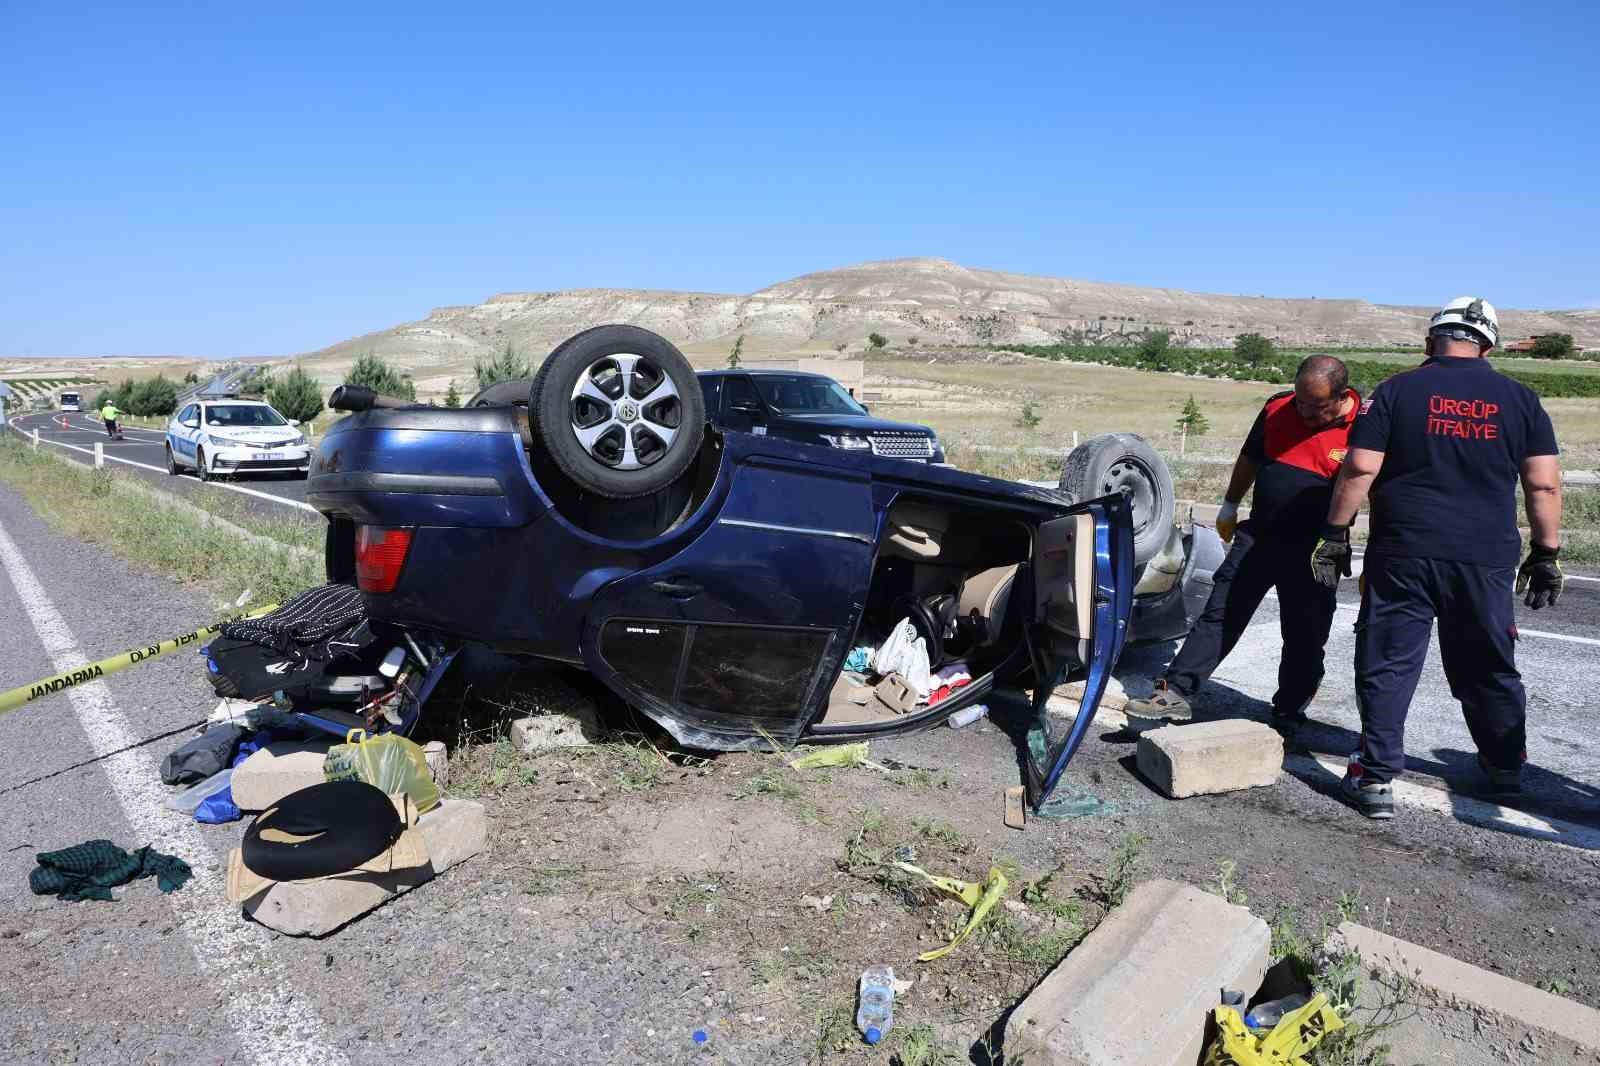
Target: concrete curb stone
[
  {"x": 1139, "y": 990},
  {"x": 1209, "y": 757}
]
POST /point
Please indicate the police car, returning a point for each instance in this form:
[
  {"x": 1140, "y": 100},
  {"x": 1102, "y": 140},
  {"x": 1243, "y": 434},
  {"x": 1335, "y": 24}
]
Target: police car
[{"x": 229, "y": 436}]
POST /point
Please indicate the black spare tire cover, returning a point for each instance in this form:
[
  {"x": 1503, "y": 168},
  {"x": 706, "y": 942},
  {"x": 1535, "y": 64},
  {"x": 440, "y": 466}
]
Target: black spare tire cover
[
  {"x": 325, "y": 829},
  {"x": 503, "y": 394}
]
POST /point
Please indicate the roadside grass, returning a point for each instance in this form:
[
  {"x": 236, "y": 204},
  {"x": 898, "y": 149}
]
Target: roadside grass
[{"x": 100, "y": 507}]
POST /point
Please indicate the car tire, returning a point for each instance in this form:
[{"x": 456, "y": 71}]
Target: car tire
[
  {"x": 172, "y": 464},
  {"x": 503, "y": 394},
  {"x": 1126, "y": 463},
  {"x": 619, "y": 411},
  {"x": 200, "y": 470}
]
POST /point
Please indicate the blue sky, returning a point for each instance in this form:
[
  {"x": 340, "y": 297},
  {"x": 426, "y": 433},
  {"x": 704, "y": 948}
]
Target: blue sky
[{"x": 262, "y": 179}]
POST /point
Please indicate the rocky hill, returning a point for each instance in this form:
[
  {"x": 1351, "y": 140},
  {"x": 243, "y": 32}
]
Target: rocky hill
[{"x": 933, "y": 301}]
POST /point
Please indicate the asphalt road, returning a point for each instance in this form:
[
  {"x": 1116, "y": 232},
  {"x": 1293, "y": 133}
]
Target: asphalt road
[
  {"x": 1559, "y": 658},
  {"x": 480, "y": 966},
  {"x": 74, "y": 435}
]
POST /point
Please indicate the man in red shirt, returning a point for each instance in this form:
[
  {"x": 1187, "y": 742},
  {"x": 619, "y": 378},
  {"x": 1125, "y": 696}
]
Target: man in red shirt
[{"x": 1291, "y": 456}]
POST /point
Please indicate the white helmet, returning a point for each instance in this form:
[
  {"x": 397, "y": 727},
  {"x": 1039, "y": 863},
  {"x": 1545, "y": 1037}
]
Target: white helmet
[{"x": 1467, "y": 315}]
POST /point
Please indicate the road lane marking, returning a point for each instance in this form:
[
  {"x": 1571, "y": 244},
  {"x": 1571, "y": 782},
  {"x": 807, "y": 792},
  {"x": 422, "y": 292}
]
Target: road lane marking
[
  {"x": 1477, "y": 812},
  {"x": 1481, "y": 813},
  {"x": 274, "y": 1027},
  {"x": 162, "y": 470}
]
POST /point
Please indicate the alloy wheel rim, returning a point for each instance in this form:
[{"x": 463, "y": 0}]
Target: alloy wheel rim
[{"x": 625, "y": 411}]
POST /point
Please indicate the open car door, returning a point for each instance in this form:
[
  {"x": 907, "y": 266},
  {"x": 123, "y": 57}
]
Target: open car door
[{"x": 1083, "y": 597}]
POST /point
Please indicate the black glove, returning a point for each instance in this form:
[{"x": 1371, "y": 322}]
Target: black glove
[
  {"x": 1540, "y": 577},
  {"x": 1330, "y": 559}
]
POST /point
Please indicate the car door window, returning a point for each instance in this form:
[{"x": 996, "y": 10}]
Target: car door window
[
  {"x": 712, "y": 387},
  {"x": 739, "y": 392}
]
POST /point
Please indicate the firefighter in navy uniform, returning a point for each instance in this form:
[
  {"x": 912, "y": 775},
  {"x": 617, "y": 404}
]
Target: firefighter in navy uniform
[
  {"x": 1291, "y": 456},
  {"x": 1441, "y": 449}
]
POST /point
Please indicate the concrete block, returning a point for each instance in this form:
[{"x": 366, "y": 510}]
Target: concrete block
[
  {"x": 276, "y": 770},
  {"x": 548, "y": 731},
  {"x": 454, "y": 831},
  {"x": 1208, "y": 757},
  {"x": 1466, "y": 1016},
  {"x": 1139, "y": 990}
]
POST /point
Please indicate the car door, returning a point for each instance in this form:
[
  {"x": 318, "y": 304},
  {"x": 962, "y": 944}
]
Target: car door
[
  {"x": 731, "y": 641},
  {"x": 181, "y": 432},
  {"x": 1082, "y": 574},
  {"x": 742, "y": 409}
]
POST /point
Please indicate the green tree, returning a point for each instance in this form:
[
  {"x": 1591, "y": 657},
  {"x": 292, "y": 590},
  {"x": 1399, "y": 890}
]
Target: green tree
[
  {"x": 191, "y": 378},
  {"x": 153, "y": 396},
  {"x": 913, "y": 341},
  {"x": 1252, "y": 348},
  {"x": 877, "y": 340},
  {"x": 738, "y": 346},
  {"x": 380, "y": 377},
  {"x": 452, "y": 398},
  {"x": 1192, "y": 421},
  {"x": 1028, "y": 418},
  {"x": 1155, "y": 353},
  {"x": 296, "y": 395},
  {"x": 840, "y": 347},
  {"x": 256, "y": 383},
  {"x": 508, "y": 365},
  {"x": 1553, "y": 346}
]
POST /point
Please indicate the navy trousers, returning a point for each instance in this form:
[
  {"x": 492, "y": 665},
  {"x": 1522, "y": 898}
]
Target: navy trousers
[
  {"x": 1255, "y": 564},
  {"x": 1477, "y": 642}
]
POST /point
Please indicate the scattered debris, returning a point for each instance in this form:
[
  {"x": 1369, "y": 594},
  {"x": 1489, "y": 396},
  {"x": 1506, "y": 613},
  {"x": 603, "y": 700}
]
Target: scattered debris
[
  {"x": 820, "y": 904},
  {"x": 980, "y": 898},
  {"x": 1286, "y": 1044},
  {"x": 1016, "y": 814},
  {"x": 842, "y": 755},
  {"x": 89, "y": 870}
]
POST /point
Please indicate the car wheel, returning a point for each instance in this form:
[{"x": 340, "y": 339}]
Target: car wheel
[
  {"x": 502, "y": 393},
  {"x": 172, "y": 464},
  {"x": 1125, "y": 463},
  {"x": 619, "y": 411},
  {"x": 200, "y": 465}
]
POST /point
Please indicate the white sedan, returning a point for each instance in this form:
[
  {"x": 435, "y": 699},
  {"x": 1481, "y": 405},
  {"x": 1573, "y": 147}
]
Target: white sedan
[{"x": 234, "y": 437}]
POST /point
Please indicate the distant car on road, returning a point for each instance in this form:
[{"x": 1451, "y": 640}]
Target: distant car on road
[
  {"x": 228, "y": 436},
  {"x": 811, "y": 409}
]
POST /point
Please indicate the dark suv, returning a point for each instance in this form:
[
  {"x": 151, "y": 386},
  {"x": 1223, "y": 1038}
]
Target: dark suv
[{"x": 811, "y": 409}]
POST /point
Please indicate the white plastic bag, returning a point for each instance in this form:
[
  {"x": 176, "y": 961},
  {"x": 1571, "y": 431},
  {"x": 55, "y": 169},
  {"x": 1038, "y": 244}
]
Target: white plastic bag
[{"x": 906, "y": 654}]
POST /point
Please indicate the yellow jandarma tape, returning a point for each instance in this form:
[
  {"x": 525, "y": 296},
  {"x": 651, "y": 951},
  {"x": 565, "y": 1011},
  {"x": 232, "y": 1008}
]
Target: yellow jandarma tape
[{"x": 18, "y": 697}]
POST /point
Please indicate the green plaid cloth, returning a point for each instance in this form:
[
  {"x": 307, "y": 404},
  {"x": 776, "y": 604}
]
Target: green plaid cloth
[{"x": 88, "y": 870}]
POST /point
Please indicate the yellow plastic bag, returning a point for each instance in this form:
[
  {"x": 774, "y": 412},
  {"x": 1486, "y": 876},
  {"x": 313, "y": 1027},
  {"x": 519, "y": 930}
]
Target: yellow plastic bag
[
  {"x": 387, "y": 761},
  {"x": 981, "y": 898},
  {"x": 1286, "y": 1045}
]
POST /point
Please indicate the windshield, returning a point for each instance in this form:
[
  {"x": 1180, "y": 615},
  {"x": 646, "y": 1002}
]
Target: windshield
[
  {"x": 242, "y": 414},
  {"x": 807, "y": 395},
  {"x": 69, "y": 397}
]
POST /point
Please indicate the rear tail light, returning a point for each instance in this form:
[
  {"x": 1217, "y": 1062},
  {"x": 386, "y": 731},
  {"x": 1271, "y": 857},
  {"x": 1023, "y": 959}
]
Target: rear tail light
[{"x": 380, "y": 553}]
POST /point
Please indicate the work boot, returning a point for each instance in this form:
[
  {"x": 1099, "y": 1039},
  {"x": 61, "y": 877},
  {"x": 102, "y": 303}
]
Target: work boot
[
  {"x": 1164, "y": 703},
  {"x": 1375, "y": 799},
  {"x": 1502, "y": 783}
]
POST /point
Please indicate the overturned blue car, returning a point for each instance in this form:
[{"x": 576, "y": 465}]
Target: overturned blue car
[{"x": 720, "y": 581}]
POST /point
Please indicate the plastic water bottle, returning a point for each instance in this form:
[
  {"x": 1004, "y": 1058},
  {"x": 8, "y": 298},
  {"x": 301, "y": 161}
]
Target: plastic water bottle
[
  {"x": 967, "y": 715},
  {"x": 876, "y": 1013},
  {"x": 1267, "y": 1015}
]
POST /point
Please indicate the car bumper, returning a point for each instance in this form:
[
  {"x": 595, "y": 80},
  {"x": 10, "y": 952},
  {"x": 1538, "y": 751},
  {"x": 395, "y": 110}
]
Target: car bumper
[{"x": 255, "y": 460}]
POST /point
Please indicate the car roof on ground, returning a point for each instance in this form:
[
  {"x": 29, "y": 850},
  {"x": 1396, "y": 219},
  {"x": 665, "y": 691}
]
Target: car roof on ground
[{"x": 765, "y": 372}]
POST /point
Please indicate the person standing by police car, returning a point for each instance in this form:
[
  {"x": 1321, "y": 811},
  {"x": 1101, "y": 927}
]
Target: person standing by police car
[
  {"x": 1440, "y": 449},
  {"x": 1291, "y": 456}
]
